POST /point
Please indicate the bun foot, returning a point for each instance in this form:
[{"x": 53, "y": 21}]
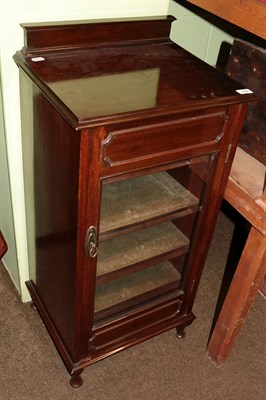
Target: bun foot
[
  {"x": 180, "y": 333},
  {"x": 76, "y": 381}
]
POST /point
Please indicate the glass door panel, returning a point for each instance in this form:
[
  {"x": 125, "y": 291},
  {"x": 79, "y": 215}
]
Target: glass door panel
[
  {"x": 133, "y": 248},
  {"x": 132, "y": 286},
  {"x": 140, "y": 199},
  {"x": 145, "y": 231}
]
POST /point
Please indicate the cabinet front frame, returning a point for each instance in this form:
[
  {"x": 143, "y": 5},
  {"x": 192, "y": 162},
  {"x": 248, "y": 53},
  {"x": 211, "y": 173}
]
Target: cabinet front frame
[{"x": 117, "y": 333}]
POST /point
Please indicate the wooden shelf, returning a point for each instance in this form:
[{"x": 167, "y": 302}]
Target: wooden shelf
[
  {"x": 137, "y": 200},
  {"x": 135, "y": 285},
  {"x": 129, "y": 253}
]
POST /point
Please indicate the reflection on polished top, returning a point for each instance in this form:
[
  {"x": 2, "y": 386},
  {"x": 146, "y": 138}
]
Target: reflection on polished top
[{"x": 103, "y": 80}]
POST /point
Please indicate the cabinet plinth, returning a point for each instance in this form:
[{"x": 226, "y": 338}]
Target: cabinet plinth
[{"x": 128, "y": 141}]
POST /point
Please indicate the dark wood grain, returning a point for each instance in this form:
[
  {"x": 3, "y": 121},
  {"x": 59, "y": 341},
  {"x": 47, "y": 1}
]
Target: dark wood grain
[
  {"x": 95, "y": 114},
  {"x": 63, "y": 35},
  {"x": 247, "y": 66},
  {"x": 110, "y": 84},
  {"x": 123, "y": 147}
]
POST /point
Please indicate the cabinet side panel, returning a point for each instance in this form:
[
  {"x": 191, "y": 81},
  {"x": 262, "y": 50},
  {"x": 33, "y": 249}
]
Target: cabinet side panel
[{"x": 51, "y": 167}]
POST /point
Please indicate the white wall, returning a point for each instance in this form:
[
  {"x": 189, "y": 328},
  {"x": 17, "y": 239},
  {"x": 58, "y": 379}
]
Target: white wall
[{"x": 12, "y": 13}]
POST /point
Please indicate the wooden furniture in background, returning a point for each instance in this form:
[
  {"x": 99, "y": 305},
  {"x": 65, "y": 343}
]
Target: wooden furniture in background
[
  {"x": 247, "y": 14},
  {"x": 3, "y": 245},
  {"x": 246, "y": 192},
  {"x": 128, "y": 141}
]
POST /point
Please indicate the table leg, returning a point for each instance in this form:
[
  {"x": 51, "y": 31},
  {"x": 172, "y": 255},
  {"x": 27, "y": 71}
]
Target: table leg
[{"x": 241, "y": 294}]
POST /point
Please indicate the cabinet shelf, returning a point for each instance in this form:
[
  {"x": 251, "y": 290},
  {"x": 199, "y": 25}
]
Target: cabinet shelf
[
  {"x": 135, "y": 288},
  {"x": 132, "y": 202},
  {"x": 130, "y": 253}
]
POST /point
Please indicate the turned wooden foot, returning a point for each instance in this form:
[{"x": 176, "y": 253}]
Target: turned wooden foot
[
  {"x": 180, "y": 333},
  {"x": 76, "y": 381}
]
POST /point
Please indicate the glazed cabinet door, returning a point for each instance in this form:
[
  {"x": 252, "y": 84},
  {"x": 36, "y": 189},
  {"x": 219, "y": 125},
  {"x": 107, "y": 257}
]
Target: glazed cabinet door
[{"x": 146, "y": 225}]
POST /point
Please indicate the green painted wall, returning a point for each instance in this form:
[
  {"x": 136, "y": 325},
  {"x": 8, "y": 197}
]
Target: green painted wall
[
  {"x": 196, "y": 34},
  {"x": 6, "y": 215}
]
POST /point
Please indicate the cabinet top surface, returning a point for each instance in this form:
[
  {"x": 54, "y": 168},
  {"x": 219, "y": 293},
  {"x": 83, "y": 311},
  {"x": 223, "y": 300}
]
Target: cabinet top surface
[{"x": 105, "y": 82}]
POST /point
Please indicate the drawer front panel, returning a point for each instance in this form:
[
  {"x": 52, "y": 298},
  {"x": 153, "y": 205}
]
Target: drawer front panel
[
  {"x": 137, "y": 326},
  {"x": 164, "y": 140}
]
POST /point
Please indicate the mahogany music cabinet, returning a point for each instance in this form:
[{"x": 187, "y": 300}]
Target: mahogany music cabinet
[{"x": 128, "y": 142}]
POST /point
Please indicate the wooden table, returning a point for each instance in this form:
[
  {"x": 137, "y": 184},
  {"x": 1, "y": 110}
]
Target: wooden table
[
  {"x": 245, "y": 193},
  {"x": 248, "y": 14},
  {"x": 246, "y": 187}
]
